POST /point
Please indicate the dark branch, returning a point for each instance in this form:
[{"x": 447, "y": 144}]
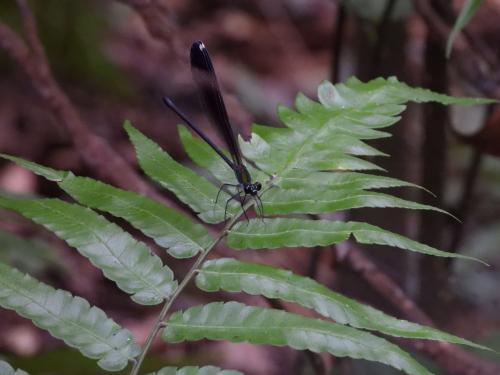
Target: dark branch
[
  {"x": 94, "y": 150},
  {"x": 452, "y": 358}
]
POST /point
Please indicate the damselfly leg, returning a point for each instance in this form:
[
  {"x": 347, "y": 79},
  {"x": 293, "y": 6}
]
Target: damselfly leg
[{"x": 218, "y": 194}]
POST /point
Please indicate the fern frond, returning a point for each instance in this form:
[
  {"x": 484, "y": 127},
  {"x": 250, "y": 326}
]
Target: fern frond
[
  {"x": 192, "y": 189},
  {"x": 237, "y": 322},
  {"x": 122, "y": 259},
  {"x": 40, "y": 170},
  {"x": 352, "y": 181},
  {"x": 381, "y": 92},
  {"x": 232, "y": 275},
  {"x": 289, "y": 232},
  {"x": 68, "y": 318},
  {"x": 315, "y": 164},
  {"x": 168, "y": 228},
  {"x": 469, "y": 8},
  {"x": 317, "y": 200}
]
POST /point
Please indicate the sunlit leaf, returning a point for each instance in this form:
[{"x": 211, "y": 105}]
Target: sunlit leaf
[{"x": 381, "y": 92}]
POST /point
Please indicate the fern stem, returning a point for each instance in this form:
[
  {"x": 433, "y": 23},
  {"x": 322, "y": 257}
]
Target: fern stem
[{"x": 190, "y": 274}]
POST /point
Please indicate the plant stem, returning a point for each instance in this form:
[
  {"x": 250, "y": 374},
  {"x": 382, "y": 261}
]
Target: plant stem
[{"x": 166, "y": 308}]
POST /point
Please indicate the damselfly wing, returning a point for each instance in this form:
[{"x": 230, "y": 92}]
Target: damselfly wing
[{"x": 210, "y": 93}]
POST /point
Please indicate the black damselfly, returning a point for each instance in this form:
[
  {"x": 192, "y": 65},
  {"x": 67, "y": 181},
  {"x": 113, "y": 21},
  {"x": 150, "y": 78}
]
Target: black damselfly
[{"x": 204, "y": 76}]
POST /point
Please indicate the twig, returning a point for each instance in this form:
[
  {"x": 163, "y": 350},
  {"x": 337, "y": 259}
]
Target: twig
[
  {"x": 159, "y": 324},
  {"x": 463, "y": 208},
  {"x": 94, "y": 150},
  {"x": 369, "y": 271},
  {"x": 166, "y": 308},
  {"x": 450, "y": 357},
  {"x": 433, "y": 155}
]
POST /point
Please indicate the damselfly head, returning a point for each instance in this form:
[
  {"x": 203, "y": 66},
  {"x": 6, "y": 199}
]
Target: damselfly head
[{"x": 252, "y": 188}]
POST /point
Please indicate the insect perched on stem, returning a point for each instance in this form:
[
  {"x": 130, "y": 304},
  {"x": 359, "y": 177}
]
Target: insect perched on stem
[{"x": 204, "y": 76}]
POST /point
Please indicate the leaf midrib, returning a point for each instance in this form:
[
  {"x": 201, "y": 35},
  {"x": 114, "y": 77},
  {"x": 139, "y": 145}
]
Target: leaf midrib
[
  {"x": 266, "y": 329},
  {"x": 127, "y": 204},
  {"x": 68, "y": 321},
  {"x": 298, "y": 287},
  {"x": 193, "y": 187},
  {"x": 299, "y": 230},
  {"x": 94, "y": 234},
  {"x": 334, "y": 298}
]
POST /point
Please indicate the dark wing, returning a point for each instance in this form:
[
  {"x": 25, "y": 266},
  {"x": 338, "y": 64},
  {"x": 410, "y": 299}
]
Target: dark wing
[{"x": 205, "y": 78}]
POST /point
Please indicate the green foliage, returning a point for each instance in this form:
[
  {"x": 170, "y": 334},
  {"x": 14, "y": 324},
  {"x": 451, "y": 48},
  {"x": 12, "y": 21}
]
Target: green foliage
[
  {"x": 69, "y": 318},
  {"x": 181, "y": 236},
  {"x": 232, "y": 275},
  {"x": 286, "y": 232},
  {"x": 195, "y": 370},
  {"x": 237, "y": 322},
  {"x": 6, "y": 369},
  {"x": 314, "y": 164},
  {"x": 192, "y": 189},
  {"x": 121, "y": 258},
  {"x": 40, "y": 170},
  {"x": 469, "y": 8}
]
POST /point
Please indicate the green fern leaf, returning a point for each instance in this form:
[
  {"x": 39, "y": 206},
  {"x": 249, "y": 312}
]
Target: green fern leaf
[
  {"x": 205, "y": 157},
  {"x": 192, "y": 189},
  {"x": 372, "y": 105},
  {"x": 195, "y": 370},
  {"x": 232, "y": 275},
  {"x": 168, "y": 228},
  {"x": 469, "y": 8},
  {"x": 46, "y": 172},
  {"x": 350, "y": 181},
  {"x": 237, "y": 322},
  {"x": 289, "y": 232},
  {"x": 317, "y": 200},
  {"x": 382, "y": 92},
  {"x": 361, "y": 124},
  {"x": 121, "y": 258},
  {"x": 68, "y": 318},
  {"x": 6, "y": 369}
]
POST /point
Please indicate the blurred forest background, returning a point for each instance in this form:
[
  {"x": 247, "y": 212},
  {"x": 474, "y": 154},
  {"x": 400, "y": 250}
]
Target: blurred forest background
[{"x": 67, "y": 86}]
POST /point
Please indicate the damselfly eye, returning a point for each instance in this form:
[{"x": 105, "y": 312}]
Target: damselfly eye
[{"x": 258, "y": 186}]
